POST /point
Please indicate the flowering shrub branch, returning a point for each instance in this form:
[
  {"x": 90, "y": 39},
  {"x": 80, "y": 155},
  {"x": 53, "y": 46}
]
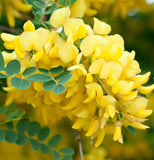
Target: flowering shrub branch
[{"x": 66, "y": 68}]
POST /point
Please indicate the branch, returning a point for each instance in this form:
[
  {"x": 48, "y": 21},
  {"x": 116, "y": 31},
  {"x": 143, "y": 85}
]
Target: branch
[
  {"x": 80, "y": 146},
  {"x": 8, "y": 29}
]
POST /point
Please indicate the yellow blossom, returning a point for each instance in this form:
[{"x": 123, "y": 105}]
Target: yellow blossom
[
  {"x": 14, "y": 9},
  {"x": 103, "y": 93},
  {"x": 59, "y": 16},
  {"x": 101, "y": 27}
]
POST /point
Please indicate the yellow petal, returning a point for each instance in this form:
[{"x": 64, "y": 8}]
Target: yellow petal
[
  {"x": 81, "y": 111},
  {"x": 93, "y": 127},
  {"x": 59, "y": 16},
  {"x": 38, "y": 55},
  {"x": 146, "y": 89},
  {"x": 68, "y": 52},
  {"x": 89, "y": 44},
  {"x": 39, "y": 38},
  {"x": 100, "y": 138},
  {"x": 74, "y": 101},
  {"x": 139, "y": 103},
  {"x": 80, "y": 67},
  {"x": 115, "y": 51},
  {"x": 124, "y": 87},
  {"x": 111, "y": 110},
  {"x": 7, "y": 37},
  {"x": 28, "y": 26},
  {"x": 54, "y": 52},
  {"x": 38, "y": 87},
  {"x": 19, "y": 53},
  {"x": 130, "y": 96},
  {"x": 78, "y": 9},
  {"x": 96, "y": 66},
  {"x": 143, "y": 113},
  {"x": 101, "y": 27},
  {"x": 26, "y": 40},
  {"x": 89, "y": 77},
  {"x": 71, "y": 24},
  {"x": 117, "y": 133},
  {"x": 80, "y": 32},
  {"x": 9, "y": 45},
  {"x": 139, "y": 125},
  {"x": 78, "y": 123},
  {"x": 111, "y": 68},
  {"x": 142, "y": 78},
  {"x": 18, "y": 44}
]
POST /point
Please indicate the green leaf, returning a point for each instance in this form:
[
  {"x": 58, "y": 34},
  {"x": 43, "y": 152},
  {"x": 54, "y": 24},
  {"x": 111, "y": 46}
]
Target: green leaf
[
  {"x": 61, "y": 2},
  {"x": 2, "y": 135},
  {"x": 33, "y": 129},
  {"x": 13, "y": 67},
  {"x": 20, "y": 114},
  {"x": 64, "y": 77},
  {"x": 47, "y": 86},
  {"x": 11, "y": 136},
  {"x": 51, "y": 9},
  {"x": 59, "y": 89},
  {"x": 12, "y": 106},
  {"x": 131, "y": 129},
  {"x": 39, "y": 4},
  {"x": 38, "y": 15},
  {"x": 67, "y": 2},
  {"x": 3, "y": 75},
  {"x": 44, "y": 148},
  {"x": 23, "y": 125},
  {"x": 22, "y": 139},
  {"x": 34, "y": 144},
  {"x": 45, "y": 71},
  {"x": 11, "y": 115},
  {"x": 67, "y": 151},
  {"x": 43, "y": 133},
  {"x": 29, "y": 71},
  {"x": 30, "y": 2},
  {"x": 39, "y": 78},
  {"x": 20, "y": 83},
  {"x": 55, "y": 154},
  {"x": 57, "y": 70},
  {"x": 9, "y": 125},
  {"x": 1, "y": 62},
  {"x": 55, "y": 140},
  {"x": 3, "y": 110},
  {"x": 73, "y": 1},
  {"x": 66, "y": 157}
]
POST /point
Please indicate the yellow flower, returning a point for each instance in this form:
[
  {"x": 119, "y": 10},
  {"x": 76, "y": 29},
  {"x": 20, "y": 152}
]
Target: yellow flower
[
  {"x": 13, "y": 9},
  {"x": 115, "y": 8},
  {"x": 101, "y": 27},
  {"x": 103, "y": 93},
  {"x": 68, "y": 49},
  {"x": 59, "y": 16}
]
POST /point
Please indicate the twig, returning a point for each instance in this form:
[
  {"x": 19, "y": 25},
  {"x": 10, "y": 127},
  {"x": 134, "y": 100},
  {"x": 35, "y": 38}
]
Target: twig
[
  {"x": 4, "y": 122},
  {"x": 12, "y": 30},
  {"x": 80, "y": 146}
]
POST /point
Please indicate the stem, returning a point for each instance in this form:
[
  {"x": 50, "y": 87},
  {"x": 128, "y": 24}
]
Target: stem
[
  {"x": 101, "y": 83},
  {"x": 4, "y": 122},
  {"x": 80, "y": 147},
  {"x": 103, "y": 86},
  {"x": 4, "y": 28}
]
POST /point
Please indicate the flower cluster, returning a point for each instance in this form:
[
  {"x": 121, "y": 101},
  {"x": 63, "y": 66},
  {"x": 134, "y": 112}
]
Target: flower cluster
[
  {"x": 13, "y": 9},
  {"x": 115, "y": 7},
  {"x": 17, "y": 8},
  {"x": 106, "y": 91}
]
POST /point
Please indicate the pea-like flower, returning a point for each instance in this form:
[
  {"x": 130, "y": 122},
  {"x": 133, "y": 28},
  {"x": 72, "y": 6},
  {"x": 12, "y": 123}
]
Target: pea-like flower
[{"x": 106, "y": 90}]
